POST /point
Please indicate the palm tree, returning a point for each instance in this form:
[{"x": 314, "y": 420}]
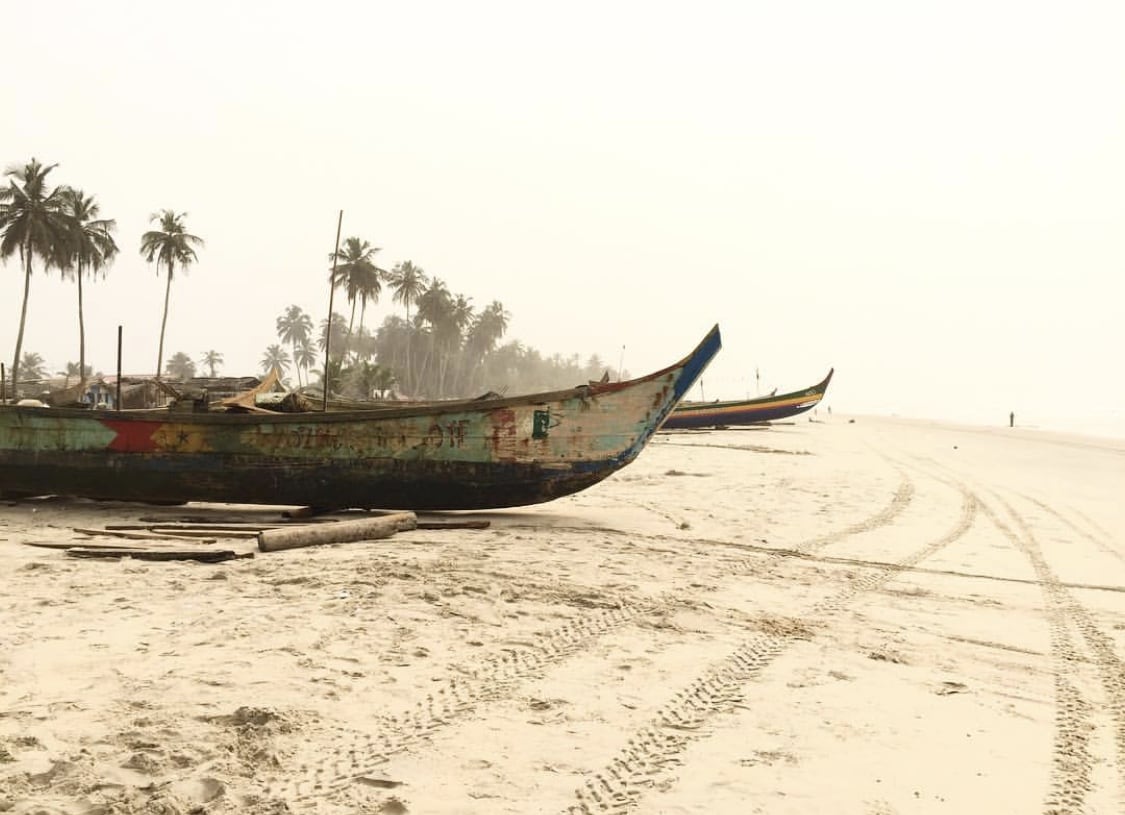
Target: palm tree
[
  {"x": 90, "y": 249},
  {"x": 435, "y": 307},
  {"x": 295, "y": 328},
  {"x": 338, "y": 335},
  {"x": 486, "y": 331},
  {"x": 304, "y": 356},
  {"x": 391, "y": 348},
  {"x": 451, "y": 335},
  {"x": 32, "y": 223},
  {"x": 276, "y": 357},
  {"x": 180, "y": 366},
  {"x": 433, "y": 303},
  {"x": 408, "y": 282},
  {"x": 211, "y": 359},
  {"x": 170, "y": 245},
  {"x": 489, "y": 327},
  {"x": 507, "y": 363},
  {"x": 363, "y": 344},
  {"x": 73, "y": 369},
  {"x": 357, "y": 274},
  {"x": 34, "y": 366}
]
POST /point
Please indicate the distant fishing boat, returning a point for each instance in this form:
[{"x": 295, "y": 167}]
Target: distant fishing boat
[
  {"x": 688, "y": 415},
  {"x": 469, "y": 454}
]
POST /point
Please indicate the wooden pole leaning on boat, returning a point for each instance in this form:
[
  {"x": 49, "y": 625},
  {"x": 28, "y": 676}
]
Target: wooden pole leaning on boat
[
  {"x": 117, "y": 393},
  {"x": 365, "y": 529}
]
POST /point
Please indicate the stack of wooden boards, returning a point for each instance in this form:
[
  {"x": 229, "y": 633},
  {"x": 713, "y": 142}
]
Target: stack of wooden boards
[{"x": 269, "y": 538}]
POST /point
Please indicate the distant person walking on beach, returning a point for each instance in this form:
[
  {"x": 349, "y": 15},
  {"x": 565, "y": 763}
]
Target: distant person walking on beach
[{"x": 1012, "y": 419}]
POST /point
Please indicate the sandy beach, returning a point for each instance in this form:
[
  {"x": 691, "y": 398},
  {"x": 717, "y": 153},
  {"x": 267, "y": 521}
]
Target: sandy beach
[{"x": 866, "y": 616}]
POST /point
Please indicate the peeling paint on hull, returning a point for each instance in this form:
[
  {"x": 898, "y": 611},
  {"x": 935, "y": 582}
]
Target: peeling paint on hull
[{"x": 459, "y": 455}]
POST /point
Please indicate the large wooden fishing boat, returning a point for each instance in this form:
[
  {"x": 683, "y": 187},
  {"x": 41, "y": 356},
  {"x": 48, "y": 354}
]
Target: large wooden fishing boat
[
  {"x": 689, "y": 415},
  {"x": 473, "y": 454}
]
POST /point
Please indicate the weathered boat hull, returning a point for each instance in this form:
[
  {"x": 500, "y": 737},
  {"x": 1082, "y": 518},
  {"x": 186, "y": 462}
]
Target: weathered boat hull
[
  {"x": 459, "y": 455},
  {"x": 693, "y": 415}
]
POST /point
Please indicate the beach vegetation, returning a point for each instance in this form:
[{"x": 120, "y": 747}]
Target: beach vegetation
[
  {"x": 88, "y": 250},
  {"x": 180, "y": 366},
  {"x": 211, "y": 360},
  {"x": 356, "y": 273},
  {"x": 276, "y": 358},
  {"x": 170, "y": 245},
  {"x": 33, "y": 225},
  {"x": 34, "y": 367},
  {"x": 295, "y": 327}
]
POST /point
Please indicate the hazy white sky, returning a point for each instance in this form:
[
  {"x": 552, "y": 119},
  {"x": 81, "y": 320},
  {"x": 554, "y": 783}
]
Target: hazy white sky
[{"x": 928, "y": 196}]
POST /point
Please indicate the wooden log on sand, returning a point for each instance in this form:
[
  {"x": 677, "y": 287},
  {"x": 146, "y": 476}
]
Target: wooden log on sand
[
  {"x": 454, "y": 524},
  {"x": 272, "y": 540}
]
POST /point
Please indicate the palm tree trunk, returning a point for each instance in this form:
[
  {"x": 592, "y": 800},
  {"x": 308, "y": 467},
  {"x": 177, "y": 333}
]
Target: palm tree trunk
[
  {"x": 163, "y": 323},
  {"x": 348, "y": 339},
  {"x": 23, "y": 321},
  {"x": 443, "y": 368},
  {"x": 81, "y": 334},
  {"x": 424, "y": 378},
  {"x": 362, "y": 314},
  {"x": 296, "y": 365}
]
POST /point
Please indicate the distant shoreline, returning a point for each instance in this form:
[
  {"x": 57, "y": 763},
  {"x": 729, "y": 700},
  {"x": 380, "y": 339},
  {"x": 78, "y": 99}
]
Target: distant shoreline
[{"x": 1061, "y": 430}]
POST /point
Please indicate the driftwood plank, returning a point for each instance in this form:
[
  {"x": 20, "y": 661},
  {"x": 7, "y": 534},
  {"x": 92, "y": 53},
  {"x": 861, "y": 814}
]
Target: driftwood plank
[
  {"x": 148, "y": 536},
  {"x": 272, "y": 540},
  {"x": 247, "y": 529},
  {"x": 114, "y": 533},
  {"x": 83, "y": 545},
  {"x": 217, "y": 518},
  {"x": 201, "y": 555},
  {"x": 210, "y": 534}
]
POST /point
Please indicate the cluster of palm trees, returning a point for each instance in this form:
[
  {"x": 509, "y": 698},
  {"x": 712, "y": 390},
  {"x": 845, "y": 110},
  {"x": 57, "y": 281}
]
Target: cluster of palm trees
[
  {"x": 443, "y": 349},
  {"x": 438, "y": 352},
  {"x": 62, "y": 228},
  {"x": 180, "y": 366}
]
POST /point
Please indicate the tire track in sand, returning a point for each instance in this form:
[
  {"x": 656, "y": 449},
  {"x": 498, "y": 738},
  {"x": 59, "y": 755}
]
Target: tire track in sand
[
  {"x": 1101, "y": 542},
  {"x": 901, "y": 500},
  {"x": 1072, "y": 759},
  {"x": 653, "y": 752},
  {"x": 495, "y": 677}
]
